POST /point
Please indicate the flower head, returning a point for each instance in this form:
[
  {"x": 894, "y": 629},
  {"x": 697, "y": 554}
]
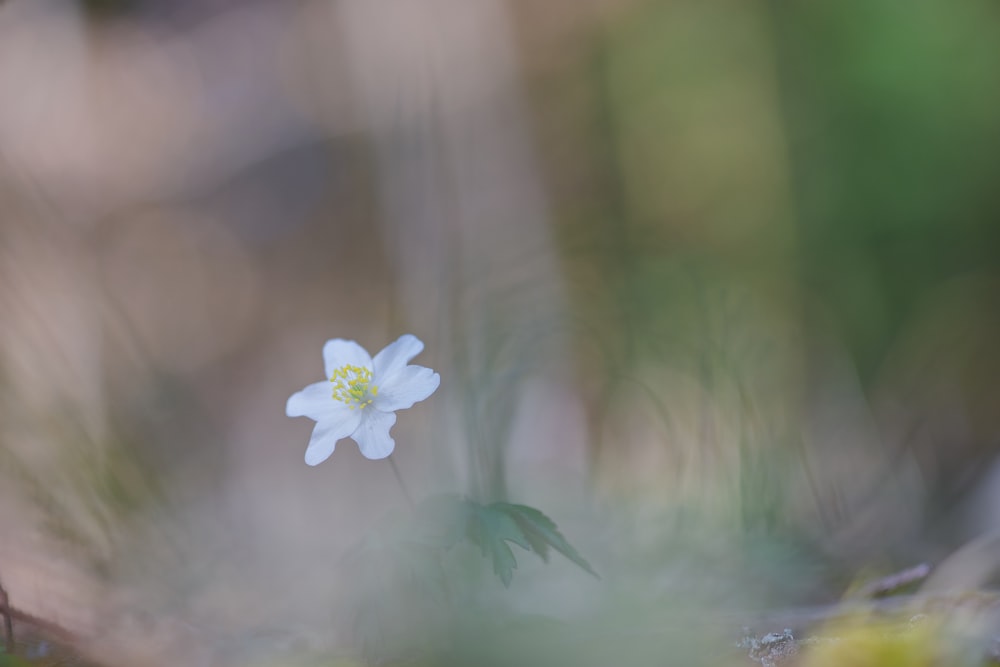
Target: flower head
[{"x": 360, "y": 396}]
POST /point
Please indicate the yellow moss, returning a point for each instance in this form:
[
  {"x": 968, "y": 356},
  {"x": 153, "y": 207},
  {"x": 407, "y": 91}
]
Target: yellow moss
[{"x": 868, "y": 642}]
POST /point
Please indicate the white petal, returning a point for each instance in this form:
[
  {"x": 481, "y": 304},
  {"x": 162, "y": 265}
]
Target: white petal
[
  {"x": 339, "y": 352},
  {"x": 315, "y": 401},
  {"x": 328, "y": 432},
  {"x": 373, "y": 436},
  {"x": 405, "y": 387},
  {"x": 396, "y": 355}
]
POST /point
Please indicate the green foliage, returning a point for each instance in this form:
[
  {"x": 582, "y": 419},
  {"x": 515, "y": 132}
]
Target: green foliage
[
  {"x": 541, "y": 532},
  {"x": 406, "y": 601},
  {"x": 493, "y": 527},
  {"x": 491, "y": 531}
]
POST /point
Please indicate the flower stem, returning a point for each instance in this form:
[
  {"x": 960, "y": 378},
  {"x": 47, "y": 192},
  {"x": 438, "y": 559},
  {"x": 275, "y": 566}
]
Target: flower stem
[{"x": 402, "y": 485}]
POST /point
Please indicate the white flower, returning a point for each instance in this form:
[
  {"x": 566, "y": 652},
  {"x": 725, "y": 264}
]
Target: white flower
[{"x": 361, "y": 396}]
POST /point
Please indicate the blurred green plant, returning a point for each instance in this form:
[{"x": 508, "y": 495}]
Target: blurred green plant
[
  {"x": 494, "y": 527},
  {"x": 409, "y": 596}
]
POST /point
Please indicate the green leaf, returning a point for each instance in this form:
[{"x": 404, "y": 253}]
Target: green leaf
[
  {"x": 450, "y": 519},
  {"x": 541, "y": 532},
  {"x": 491, "y": 528}
]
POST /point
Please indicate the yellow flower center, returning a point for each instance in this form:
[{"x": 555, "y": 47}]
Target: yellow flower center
[{"x": 353, "y": 385}]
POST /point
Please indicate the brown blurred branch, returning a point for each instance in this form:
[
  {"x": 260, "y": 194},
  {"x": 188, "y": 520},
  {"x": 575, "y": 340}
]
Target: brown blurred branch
[
  {"x": 10, "y": 614},
  {"x": 52, "y": 630}
]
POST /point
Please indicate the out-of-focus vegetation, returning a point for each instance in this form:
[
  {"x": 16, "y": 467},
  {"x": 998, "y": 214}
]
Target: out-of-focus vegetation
[{"x": 715, "y": 285}]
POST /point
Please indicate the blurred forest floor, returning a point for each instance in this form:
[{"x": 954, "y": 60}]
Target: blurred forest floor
[{"x": 715, "y": 286}]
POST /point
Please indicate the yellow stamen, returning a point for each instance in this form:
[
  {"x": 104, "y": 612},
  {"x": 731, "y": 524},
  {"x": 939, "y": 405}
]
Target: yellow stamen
[{"x": 352, "y": 385}]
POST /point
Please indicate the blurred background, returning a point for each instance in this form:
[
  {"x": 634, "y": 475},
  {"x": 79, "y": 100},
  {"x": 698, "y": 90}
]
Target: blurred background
[{"x": 715, "y": 286}]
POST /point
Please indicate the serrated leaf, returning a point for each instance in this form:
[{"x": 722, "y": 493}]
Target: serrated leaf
[
  {"x": 540, "y": 529},
  {"x": 504, "y": 562},
  {"x": 451, "y": 519},
  {"x": 537, "y": 541},
  {"x": 491, "y": 529}
]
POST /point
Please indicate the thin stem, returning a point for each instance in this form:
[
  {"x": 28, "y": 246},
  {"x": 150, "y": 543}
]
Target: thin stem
[
  {"x": 402, "y": 485},
  {"x": 8, "y": 623}
]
